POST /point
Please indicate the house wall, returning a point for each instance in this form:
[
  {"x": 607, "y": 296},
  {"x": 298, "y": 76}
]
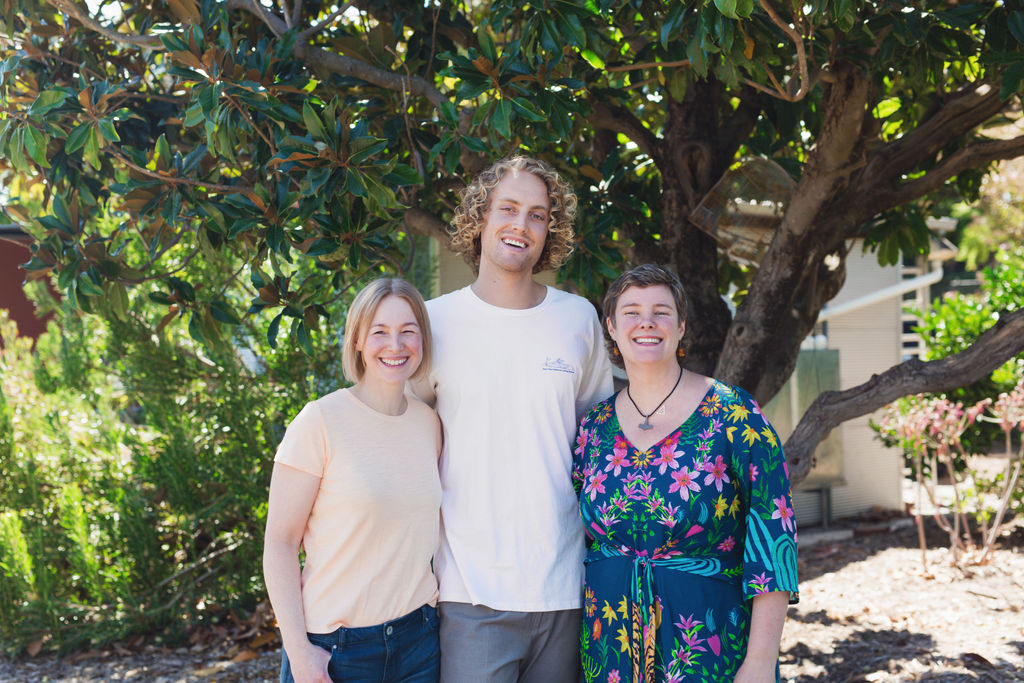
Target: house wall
[
  {"x": 868, "y": 341},
  {"x": 454, "y": 273},
  {"x": 12, "y": 254}
]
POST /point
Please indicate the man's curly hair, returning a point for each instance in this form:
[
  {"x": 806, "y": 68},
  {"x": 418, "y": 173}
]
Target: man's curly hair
[{"x": 475, "y": 199}]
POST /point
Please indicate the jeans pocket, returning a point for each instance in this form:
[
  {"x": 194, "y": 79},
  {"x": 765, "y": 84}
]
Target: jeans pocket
[
  {"x": 323, "y": 640},
  {"x": 432, "y": 620}
]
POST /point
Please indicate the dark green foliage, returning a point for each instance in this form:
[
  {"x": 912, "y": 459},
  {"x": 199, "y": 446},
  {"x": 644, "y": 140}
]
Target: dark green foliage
[
  {"x": 134, "y": 475},
  {"x": 956, "y": 321}
]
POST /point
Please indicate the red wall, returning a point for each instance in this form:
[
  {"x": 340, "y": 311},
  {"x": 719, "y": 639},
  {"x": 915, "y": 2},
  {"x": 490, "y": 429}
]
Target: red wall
[{"x": 12, "y": 255}]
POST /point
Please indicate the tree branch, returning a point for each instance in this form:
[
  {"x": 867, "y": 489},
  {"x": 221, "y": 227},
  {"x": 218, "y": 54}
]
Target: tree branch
[
  {"x": 621, "y": 120},
  {"x": 341, "y": 64},
  {"x": 965, "y": 111},
  {"x": 1002, "y": 341},
  {"x": 127, "y": 38},
  {"x": 801, "y": 60},
  {"x": 425, "y": 223},
  {"x": 313, "y": 30},
  {"x": 972, "y": 156},
  {"x": 648, "y": 65}
]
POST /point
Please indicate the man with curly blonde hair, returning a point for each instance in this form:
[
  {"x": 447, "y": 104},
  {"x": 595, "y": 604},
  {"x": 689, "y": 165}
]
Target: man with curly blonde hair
[{"x": 516, "y": 364}]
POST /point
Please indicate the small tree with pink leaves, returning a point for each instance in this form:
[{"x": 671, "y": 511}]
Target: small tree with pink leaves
[{"x": 929, "y": 429}]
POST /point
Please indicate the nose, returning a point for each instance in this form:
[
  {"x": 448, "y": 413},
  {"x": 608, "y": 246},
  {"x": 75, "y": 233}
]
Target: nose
[{"x": 519, "y": 221}]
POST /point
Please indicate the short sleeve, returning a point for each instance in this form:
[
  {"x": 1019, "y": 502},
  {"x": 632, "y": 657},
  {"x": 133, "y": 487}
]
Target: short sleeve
[
  {"x": 596, "y": 382},
  {"x": 304, "y": 445},
  {"x": 770, "y": 553}
]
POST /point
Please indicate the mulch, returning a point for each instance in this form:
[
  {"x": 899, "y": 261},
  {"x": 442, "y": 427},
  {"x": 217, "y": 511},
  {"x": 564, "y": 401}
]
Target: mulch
[{"x": 868, "y": 613}]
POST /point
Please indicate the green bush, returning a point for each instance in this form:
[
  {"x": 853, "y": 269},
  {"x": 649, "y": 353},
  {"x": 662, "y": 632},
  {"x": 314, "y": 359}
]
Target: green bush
[
  {"x": 134, "y": 470},
  {"x": 956, "y": 320}
]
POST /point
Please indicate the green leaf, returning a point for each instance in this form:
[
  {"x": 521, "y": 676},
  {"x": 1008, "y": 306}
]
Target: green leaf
[
  {"x": 273, "y": 329},
  {"x": 222, "y": 312},
  {"x": 195, "y": 328},
  {"x": 500, "y": 119},
  {"x": 108, "y": 130},
  {"x": 448, "y": 112},
  {"x": 728, "y": 8},
  {"x": 163, "y": 150},
  {"x": 487, "y": 48},
  {"x": 76, "y": 138},
  {"x": 1015, "y": 23},
  {"x": 46, "y": 101},
  {"x": 87, "y": 286},
  {"x": 183, "y": 289},
  {"x": 35, "y": 145},
  {"x": 592, "y": 58},
  {"x": 312, "y": 121},
  {"x": 527, "y": 110},
  {"x": 91, "y": 151},
  {"x": 302, "y": 334},
  {"x": 404, "y": 175},
  {"x": 117, "y": 297},
  {"x": 364, "y": 154}
]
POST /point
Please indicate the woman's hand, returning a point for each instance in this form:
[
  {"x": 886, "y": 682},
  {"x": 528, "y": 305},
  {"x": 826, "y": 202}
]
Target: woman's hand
[{"x": 309, "y": 665}]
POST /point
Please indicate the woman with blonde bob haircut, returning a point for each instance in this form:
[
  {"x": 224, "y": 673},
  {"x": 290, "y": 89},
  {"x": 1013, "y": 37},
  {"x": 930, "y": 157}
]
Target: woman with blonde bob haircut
[{"x": 355, "y": 485}]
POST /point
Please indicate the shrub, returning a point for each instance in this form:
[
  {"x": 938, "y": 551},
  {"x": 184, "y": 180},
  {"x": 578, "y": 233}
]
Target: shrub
[{"x": 134, "y": 469}]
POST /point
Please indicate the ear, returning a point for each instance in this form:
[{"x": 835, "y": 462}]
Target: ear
[
  {"x": 610, "y": 324},
  {"x": 682, "y": 328}
]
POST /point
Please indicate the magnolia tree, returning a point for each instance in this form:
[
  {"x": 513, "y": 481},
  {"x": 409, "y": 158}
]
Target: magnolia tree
[{"x": 310, "y": 140}]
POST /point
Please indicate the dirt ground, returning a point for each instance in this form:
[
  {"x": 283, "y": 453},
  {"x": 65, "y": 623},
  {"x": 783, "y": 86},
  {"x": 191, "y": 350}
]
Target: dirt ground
[{"x": 868, "y": 613}]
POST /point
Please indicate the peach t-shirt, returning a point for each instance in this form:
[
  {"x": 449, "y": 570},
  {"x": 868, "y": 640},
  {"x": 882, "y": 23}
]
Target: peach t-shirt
[{"x": 373, "y": 528}]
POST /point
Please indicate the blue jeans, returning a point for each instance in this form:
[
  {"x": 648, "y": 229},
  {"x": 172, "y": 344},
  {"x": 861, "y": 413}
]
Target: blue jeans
[{"x": 403, "y": 650}]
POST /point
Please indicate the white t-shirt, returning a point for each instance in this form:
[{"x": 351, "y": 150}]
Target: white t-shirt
[{"x": 510, "y": 387}]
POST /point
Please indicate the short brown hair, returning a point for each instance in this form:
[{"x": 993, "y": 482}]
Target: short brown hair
[
  {"x": 645, "y": 275},
  {"x": 361, "y": 313},
  {"x": 475, "y": 199}
]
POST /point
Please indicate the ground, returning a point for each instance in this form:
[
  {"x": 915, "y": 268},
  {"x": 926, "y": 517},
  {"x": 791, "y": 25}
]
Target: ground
[{"x": 868, "y": 613}]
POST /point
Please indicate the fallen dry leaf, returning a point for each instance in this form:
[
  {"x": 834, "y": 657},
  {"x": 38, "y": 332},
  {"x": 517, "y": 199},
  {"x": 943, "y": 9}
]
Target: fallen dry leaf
[
  {"x": 263, "y": 639},
  {"x": 244, "y": 656}
]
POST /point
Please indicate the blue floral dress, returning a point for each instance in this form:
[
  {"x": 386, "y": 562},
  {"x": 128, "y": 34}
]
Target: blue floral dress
[{"x": 680, "y": 537}]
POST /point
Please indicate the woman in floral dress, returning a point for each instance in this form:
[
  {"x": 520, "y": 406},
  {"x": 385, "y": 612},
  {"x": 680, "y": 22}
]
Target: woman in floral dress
[{"x": 684, "y": 493}]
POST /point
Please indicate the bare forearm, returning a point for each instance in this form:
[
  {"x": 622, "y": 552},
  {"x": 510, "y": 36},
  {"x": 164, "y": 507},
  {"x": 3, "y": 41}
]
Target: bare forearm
[
  {"x": 281, "y": 573},
  {"x": 768, "y": 615}
]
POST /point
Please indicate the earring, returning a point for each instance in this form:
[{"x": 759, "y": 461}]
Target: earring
[
  {"x": 615, "y": 350},
  {"x": 680, "y": 352}
]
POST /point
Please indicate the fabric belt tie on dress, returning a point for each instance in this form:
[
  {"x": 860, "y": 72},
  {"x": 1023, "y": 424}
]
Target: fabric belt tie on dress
[{"x": 642, "y": 606}]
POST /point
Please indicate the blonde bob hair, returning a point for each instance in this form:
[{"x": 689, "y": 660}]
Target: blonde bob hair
[
  {"x": 360, "y": 315},
  {"x": 475, "y": 200}
]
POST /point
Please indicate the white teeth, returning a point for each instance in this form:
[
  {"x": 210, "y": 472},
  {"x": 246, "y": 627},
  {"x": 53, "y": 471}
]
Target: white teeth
[
  {"x": 393, "y": 363},
  {"x": 647, "y": 340},
  {"x": 514, "y": 243}
]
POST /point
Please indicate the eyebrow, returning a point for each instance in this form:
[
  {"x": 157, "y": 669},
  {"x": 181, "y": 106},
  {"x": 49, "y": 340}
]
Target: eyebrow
[{"x": 513, "y": 201}]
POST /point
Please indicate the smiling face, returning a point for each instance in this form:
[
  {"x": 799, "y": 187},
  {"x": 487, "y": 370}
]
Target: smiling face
[
  {"x": 391, "y": 345},
  {"x": 515, "y": 224},
  {"x": 646, "y": 325}
]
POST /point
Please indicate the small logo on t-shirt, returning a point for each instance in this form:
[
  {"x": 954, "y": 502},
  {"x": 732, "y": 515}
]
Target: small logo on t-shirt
[{"x": 558, "y": 365}]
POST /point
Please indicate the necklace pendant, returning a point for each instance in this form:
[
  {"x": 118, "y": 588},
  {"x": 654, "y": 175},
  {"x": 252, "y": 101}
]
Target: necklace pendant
[{"x": 646, "y": 424}]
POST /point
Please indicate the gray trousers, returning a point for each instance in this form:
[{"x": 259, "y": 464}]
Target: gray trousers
[{"x": 483, "y": 645}]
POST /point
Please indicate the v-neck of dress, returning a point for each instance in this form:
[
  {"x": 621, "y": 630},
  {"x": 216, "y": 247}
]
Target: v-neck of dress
[{"x": 618, "y": 423}]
